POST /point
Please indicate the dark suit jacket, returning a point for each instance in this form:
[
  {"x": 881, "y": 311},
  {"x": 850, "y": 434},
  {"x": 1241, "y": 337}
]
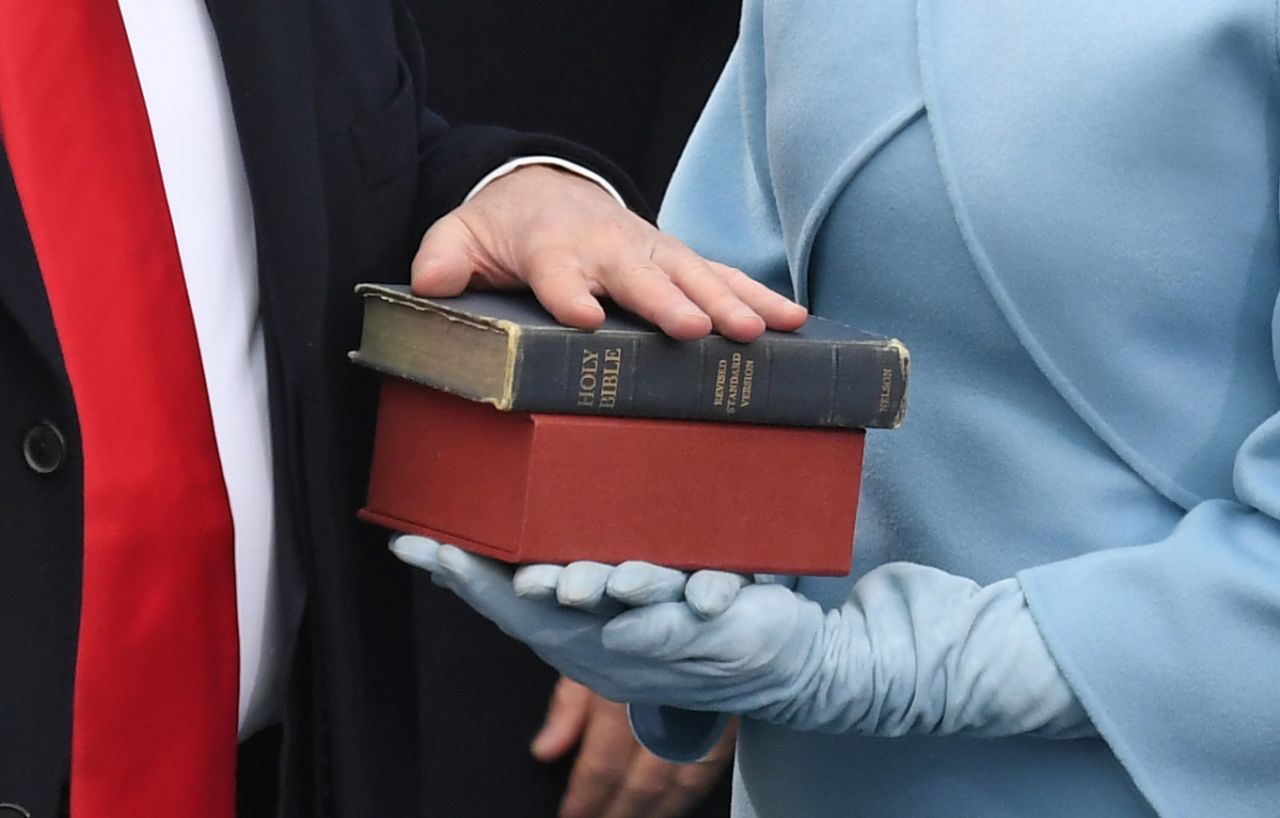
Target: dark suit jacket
[
  {"x": 626, "y": 77},
  {"x": 346, "y": 167}
]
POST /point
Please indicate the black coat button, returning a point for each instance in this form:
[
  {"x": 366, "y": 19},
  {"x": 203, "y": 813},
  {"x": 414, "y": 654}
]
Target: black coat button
[
  {"x": 13, "y": 811},
  {"x": 45, "y": 449}
]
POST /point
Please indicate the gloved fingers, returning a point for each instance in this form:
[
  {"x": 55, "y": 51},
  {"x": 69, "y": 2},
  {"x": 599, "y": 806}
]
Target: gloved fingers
[
  {"x": 417, "y": 551},
  {"x": 566, "y": 638},
  {"x": 482, "y": 583},
  {"x": 785, "y": 580},
  {"x": 566, "y": 635},
  {"x": 472, "y": 577},
  {"x": 537, "y": 581},
  {"x": 582, "y": 585},
  {"x": 638, "y": 583},
  {"x": 710, "y": 593},
  {"x": 450, "y": 567},
  {"x": 597, "y": 588}
]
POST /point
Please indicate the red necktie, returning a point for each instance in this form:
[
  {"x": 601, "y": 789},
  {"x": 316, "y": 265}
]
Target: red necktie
[{"x": 154, "y": 719}]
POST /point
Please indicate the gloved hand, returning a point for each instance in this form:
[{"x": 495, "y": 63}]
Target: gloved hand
[
  {"x": 573, "y": 641},
  {"x": 569, "y": 640},
  {"x": 599, "y": 588},
  {"x": 913, "y": 650}
]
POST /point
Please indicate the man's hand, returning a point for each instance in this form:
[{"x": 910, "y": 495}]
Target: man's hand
[
  {"x": 614, "y": 777},
  {"x": 570, "y": 241}
]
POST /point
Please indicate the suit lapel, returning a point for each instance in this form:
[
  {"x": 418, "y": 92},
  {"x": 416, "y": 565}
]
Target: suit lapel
[
  {"x": 266, "y": 53},
  {"x": 267, "y": 57}
]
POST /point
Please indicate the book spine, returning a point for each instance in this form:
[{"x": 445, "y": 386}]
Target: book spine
[{"x": 776, "y": 380}]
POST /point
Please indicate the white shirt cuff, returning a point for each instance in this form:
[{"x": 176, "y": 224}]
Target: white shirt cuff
[{"x": 555, "y": 161}]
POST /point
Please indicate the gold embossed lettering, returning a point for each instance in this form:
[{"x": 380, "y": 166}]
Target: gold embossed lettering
[
  {"x": 748, "y": 379},
  {"x": 587, "y": 378},
  {"x": 609, "y": 376},
  {"x": 735, "y": 377}
]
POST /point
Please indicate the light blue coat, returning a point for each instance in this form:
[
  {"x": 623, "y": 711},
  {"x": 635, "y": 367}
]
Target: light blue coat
[{"x": 1108, "y": 170}]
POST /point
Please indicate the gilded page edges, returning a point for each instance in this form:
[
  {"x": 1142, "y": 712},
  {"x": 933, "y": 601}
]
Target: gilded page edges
[
  {"x": 483, "y": 323},
  {"x": 904, "y": 359},
  {"x": 513, "y": 331}
]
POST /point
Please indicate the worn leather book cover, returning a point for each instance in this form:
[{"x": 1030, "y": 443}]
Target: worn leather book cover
[
  {"x": 529, "y": 487},
  {"x": 502, "y": 348}
]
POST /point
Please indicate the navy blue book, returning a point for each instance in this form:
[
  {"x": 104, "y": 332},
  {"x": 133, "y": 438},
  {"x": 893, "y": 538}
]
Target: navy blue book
[{"x": 502, "y": 348}]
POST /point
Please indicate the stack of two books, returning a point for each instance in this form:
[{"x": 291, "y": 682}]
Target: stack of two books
[{"x": 503, "y": 432}]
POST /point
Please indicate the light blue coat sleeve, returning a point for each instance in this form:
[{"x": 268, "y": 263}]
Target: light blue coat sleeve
[{"x": 1174, "y": 647}]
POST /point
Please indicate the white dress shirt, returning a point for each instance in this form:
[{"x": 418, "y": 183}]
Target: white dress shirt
[{"x": 184, "y": 87}]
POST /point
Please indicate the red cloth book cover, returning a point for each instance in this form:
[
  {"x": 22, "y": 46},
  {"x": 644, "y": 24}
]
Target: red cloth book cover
[{"x": 529, "y": 487}]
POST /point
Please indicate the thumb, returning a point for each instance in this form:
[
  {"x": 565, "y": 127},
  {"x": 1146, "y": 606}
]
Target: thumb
[
  {"x": 663, "y": 631},
  {"x": 566, "y": 719},
  {"x": 710, "y": 593},
  {"x": 417, "y": 551},
  {"x": 444, "y": 263}
]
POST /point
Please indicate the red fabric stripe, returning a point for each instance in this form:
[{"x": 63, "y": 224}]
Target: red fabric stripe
[{"x": 154, "y": 721}]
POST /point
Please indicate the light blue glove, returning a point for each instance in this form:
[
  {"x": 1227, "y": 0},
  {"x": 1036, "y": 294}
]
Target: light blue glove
[
  {"x": 913, "y": 650},
  {"x": 599, "y": 588},
  {"x": 570, "y": 640}
]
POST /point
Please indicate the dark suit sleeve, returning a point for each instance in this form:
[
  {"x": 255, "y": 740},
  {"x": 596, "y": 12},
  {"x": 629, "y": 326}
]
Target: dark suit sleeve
[
  {"x": 452, "y": 159},
  {"x": 457, "y": 157}
]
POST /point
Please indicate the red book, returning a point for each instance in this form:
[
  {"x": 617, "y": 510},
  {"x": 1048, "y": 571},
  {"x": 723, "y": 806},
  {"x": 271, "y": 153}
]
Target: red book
[{"x": 529, "y": 487}]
